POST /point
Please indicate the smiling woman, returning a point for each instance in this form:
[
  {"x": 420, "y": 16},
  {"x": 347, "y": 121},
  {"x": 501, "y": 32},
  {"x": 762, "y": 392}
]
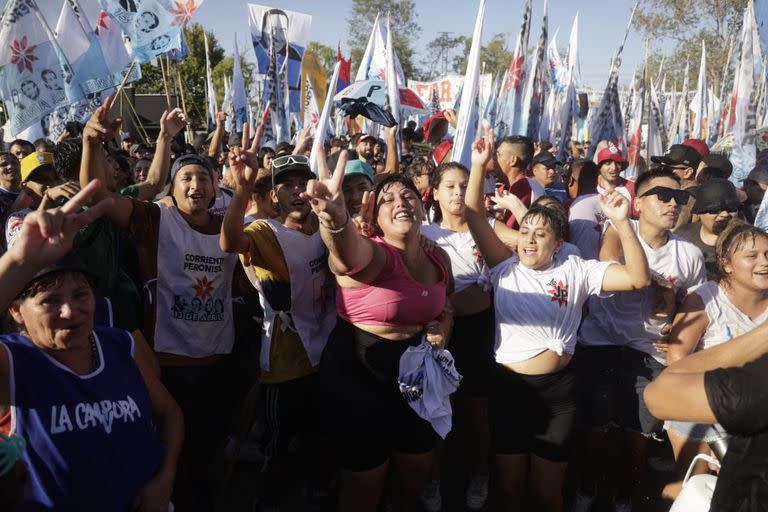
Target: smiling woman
[{"x": 70, "y": 388}]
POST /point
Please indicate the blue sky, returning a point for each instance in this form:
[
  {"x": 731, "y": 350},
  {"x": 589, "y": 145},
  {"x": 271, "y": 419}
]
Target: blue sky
[{"x": 601, "y": 25}]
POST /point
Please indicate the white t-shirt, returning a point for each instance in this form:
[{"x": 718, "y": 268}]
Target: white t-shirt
[
  {"x": 621, "y": 189},
  {"x": 626, "y": 317},
  {"x": 13, "y": 226},
  {"x": 538, "y": 310},
  {"x": 467, "y": 265},
  {"x": 222, "y": 203},
  {"x": 726, "y": 321},
  {"x": 585, "y": 222}
]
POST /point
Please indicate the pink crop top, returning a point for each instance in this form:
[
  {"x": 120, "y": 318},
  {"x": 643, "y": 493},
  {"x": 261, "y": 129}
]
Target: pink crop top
[{"x": 394, "y": 297}]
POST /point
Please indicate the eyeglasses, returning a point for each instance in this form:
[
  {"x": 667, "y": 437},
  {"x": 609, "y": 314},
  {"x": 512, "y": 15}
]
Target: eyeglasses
[
  {"x": 715, "y": 210},
  {"x": 283, "y": 161},
  {"x": 666, "y": 194}
]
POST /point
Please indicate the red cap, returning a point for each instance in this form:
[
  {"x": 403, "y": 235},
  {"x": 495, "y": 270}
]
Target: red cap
[
  {"x": 432, "y": 119},
  {"x": 699, "y": 145},
  {"x": 441, "y": 151},
  {"x": 611, "y": 153}
]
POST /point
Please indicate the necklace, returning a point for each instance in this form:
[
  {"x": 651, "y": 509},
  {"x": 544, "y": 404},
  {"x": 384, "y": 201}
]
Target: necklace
[{"x": 94, "y": 354}]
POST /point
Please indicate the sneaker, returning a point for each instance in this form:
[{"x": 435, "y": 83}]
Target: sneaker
[
  {"x": 622, "y": 507},
  {"x": 477, "y": 492},
  {"x": 582, "y": 502},
  {"x": 431, "y": 499}
]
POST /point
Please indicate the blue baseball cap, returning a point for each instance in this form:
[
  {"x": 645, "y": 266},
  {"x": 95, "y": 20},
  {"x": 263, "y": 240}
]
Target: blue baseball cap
[{"x": 358, "y": 167}]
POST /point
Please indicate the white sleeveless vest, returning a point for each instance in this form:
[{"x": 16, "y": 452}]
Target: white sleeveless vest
[
  {"x": 194, "y": 290},
  {"x": 313, "y": 307}
]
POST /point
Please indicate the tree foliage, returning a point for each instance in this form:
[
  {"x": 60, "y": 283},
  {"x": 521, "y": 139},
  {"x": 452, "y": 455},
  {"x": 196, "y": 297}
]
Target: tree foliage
[
  {"x": 452, "y": 54},
  {"x": 404, "y": 29},
  {"x": 686, "y": 23},
  {"x": 325, "y": 54}
]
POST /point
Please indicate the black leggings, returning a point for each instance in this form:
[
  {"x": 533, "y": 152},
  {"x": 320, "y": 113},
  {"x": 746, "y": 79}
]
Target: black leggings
[
  {"x": 471, "y": 345},
  {"x": 366, "y": 416}
]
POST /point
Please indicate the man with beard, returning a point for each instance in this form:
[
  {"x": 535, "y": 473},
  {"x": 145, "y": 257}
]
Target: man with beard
[
  {"x": 287, "y": 262},
  {"x": 716, "y": 205},
  {"x": 363, "y": 144}
]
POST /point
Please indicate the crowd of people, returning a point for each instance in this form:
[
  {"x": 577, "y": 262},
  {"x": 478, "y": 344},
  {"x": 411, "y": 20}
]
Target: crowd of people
[{"x": 168, "y": 306}]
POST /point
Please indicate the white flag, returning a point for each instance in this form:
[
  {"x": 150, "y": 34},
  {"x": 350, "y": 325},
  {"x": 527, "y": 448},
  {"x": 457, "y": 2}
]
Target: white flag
[
  {"x": 701, "y": 99},
  {"x": 466, "y": 126}
]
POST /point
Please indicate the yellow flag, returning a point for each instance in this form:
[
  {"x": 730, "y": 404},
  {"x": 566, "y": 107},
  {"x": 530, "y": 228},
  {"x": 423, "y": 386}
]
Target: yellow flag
[{"x": 312, "y": 69}]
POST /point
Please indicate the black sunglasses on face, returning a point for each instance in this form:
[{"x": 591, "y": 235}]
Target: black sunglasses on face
[
  {"x": 715, "y": 210},
  {"x": 666, "y": 194}
]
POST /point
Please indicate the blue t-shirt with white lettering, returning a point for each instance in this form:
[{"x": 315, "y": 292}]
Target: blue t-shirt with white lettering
[{"x": 91, "y": 444}]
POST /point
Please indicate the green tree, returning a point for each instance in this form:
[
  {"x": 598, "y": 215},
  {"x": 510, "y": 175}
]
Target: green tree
[
  {"x": 325, "y": 54},
  {"x": 685, "y": 24},
  {"x": 192, "y": 72},
  {"x": 404, "y": 29},
  {"x": 495, "y": 55}
]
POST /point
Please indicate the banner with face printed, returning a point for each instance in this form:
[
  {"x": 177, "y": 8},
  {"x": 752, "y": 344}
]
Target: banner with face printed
[
  {"x": 152, "y": 26},
  {"x": 35, "y": 78},
  {"x": 286, "y": 33}
]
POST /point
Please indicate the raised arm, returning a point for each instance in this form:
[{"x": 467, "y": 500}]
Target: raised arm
[
  {"x": 45, "y": 237},
  {"x": 349, "y": 251},
  {"x": 304, "y": 141},
  {"x": 392, "y": 164},
  {"x": 687, "y": 329},
  {"x": 171, "y": 123},
  {"x": 491, "y": 247},
  {"x": 218, "y": 134},
  {"x": 634, "y": 273},
  {"x": 243, "y": 165},
  {"x": 97, "y": 130}
]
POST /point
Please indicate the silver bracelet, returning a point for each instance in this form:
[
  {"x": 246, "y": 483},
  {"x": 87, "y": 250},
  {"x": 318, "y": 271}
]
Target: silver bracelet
[{"x": 337, "y": 230}]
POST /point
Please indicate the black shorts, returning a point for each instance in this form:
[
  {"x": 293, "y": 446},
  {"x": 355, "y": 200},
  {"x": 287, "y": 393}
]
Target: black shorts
[
  {"x": 611, "y": 381},
  {"x": 366, "y": 416},
  {"x": 290, "y": 408},
  {"x": 532, "y": 413},
  {"x": 471, "y": 345}
]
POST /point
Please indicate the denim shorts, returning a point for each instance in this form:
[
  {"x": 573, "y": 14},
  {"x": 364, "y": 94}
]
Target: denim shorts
[
  {"x": 610, "y": 384},
  {"x": 693, "y": 431}
]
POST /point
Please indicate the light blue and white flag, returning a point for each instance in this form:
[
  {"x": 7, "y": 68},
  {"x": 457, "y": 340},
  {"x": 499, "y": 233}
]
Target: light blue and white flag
[
  {"x": 744, "y": 128},
  {"x": 466, "y": 125},
  {"x": 210, "y": 88},
  {"x": 35, "y": 78},
  {"x": 286, "y": 34},
  {"x": 152, "y": 26},
  {"x": 323, "y": 124},
  {"x": 239, "y": 99}
]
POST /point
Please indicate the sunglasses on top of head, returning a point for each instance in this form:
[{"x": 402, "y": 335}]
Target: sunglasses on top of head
[
  {"x": 282, "y": 161},
  {"x": 666, "y": 194}
]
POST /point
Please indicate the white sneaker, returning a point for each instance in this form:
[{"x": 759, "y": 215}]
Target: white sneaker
[
  {"x": 622, "y": 507},
  {"x": 477, "y": 492},
  {"x": 431, "y": 498},
  {"x": 582, "y": 502}
]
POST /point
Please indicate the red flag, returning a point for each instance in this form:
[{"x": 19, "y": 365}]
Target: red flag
[{"x": 344, "y": 72}]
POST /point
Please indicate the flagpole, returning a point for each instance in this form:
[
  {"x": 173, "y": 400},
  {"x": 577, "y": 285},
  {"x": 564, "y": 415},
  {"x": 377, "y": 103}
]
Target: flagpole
[
  {"x": 188, "y": 130},
  {"x": 165, "y": 83}
]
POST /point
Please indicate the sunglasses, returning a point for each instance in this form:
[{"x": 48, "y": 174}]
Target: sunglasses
[
  {"x": 666, "y": 194},
  {"x": 715, "y": 210},
  {"x": 283, "y": 161}
]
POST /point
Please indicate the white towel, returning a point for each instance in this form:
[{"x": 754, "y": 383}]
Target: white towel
[{"x": 427, "y": 378}]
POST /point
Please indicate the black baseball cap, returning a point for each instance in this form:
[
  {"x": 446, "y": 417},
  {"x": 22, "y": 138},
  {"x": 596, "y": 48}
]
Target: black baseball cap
[
  {"x": 759, "y": 174},
  {"x": 545, "y": 158},
  {"x": 679, "y": 154},
  {"x": 716, "y": 193}
]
